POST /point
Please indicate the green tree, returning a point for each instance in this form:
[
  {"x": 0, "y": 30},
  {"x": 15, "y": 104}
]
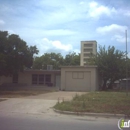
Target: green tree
[
  {"x": 111, "y": 65},
  {"x": 56, "y": 60},
  {"x": 48, "y": 59},
  {"x": 15, "y": 55},
  {"x": 72, "y": 59}
]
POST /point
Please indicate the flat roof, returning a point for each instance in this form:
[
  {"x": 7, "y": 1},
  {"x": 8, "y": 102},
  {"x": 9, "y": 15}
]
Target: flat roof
[
  {"x": 36, "y": 70},
  {"x": 89, "y": 41},
  {"x": 87, "y": 66}
]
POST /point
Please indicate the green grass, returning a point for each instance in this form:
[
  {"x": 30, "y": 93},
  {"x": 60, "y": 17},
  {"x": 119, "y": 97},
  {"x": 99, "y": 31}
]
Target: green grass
[{"x": 98, "y": 102}]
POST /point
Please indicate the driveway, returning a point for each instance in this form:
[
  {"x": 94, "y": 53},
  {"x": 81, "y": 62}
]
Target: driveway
[
  {"x": 56, "y": 95},
  {"x": 41, "y": 104}
]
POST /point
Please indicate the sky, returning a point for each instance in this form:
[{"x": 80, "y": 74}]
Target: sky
[{"x": 60, "y": 25}]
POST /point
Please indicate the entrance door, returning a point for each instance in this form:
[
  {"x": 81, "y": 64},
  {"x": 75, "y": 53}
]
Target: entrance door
[{"x": 58, "y": 81}]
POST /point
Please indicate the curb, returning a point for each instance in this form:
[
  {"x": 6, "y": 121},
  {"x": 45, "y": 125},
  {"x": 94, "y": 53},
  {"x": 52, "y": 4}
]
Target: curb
[{"x": 106, "y": 115}]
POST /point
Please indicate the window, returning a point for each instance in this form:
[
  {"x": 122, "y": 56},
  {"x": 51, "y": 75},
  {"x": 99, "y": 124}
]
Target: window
[
  {"x": 80, "y": 75},
  {"x": 48, "y": 78},
  {"x": 86, "y": 59},
  {"x": 88, "y": 50},
  {"x": 77, "y": 75},
  {"x": 34, "y": 79},
  {"x": 41, "y": 79},
  {"x": 87, "y": 55},
  {"x": 88, "y": 45},
  {"x": 15, "y": 78}
]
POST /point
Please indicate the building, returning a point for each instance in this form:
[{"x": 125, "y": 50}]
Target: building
[
  {"x": 68, "y": 78},
  {"x": 79, "y": 78},
  {"x": 87, "y": 47},
  {"x": 32, "y": 79}
]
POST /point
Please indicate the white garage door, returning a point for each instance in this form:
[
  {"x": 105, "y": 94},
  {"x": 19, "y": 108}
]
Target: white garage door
[{"x": 78, "y": 81}]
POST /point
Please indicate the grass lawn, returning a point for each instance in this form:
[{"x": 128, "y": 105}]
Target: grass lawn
[
  {"x": 18, "y": 94},
  {"x": 98, "y": 102}
]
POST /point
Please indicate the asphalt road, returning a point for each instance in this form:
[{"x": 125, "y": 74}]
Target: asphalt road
[{"x": 18, "y": 121}]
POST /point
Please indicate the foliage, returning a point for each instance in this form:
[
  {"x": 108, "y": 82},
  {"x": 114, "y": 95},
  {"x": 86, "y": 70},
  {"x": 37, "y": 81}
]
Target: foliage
[
  {"x": 111, "y": 64},
  {"x": 72, "y": 59},
  {"x": 56, "y": 60},
  {"x": 14, "y": 54},
  {"x": 48, "y": 59}
]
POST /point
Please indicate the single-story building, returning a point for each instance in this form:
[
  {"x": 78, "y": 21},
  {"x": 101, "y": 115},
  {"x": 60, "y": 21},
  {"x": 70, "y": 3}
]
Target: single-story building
[
  {"x": 69, "y": 78},
  {"x": 79, "y": 78},
  {"x": 32, "y": 78}
]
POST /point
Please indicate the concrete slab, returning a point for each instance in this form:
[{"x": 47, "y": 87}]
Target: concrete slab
[
  {"x": 56, "y": 95},
  {"x": 27, "y": 105},
  {"x": 39, "y": 104}
]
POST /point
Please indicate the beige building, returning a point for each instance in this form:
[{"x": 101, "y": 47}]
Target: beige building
[
  {"x": 87, "y": 47},
  {"x": 33, "y": 78},
  {"x": 69, "y": 78},
  {"x": 78, "y": 78}
]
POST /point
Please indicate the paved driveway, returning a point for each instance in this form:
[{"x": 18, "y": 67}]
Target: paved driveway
[
  {"x": 40, "y": 104},
  {"x": 56, "y": 95}
]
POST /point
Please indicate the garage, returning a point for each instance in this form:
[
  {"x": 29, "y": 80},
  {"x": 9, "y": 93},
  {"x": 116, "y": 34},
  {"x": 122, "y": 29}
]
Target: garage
[{"x": 78, "y": 78}]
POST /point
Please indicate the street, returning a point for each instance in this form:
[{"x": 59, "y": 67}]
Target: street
[{"x": 20, "y": 121}]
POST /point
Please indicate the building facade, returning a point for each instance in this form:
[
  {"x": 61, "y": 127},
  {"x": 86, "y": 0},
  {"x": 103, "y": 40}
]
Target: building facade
[
  {"x": 79, "y": 78},
  {"x": 87, "y": 48},
  {"x": 32, "y": 78},
  {"x": 68, "y": 78}
]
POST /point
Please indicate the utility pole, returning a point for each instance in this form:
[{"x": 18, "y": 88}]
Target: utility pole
[{"x": 126, "y": 66}]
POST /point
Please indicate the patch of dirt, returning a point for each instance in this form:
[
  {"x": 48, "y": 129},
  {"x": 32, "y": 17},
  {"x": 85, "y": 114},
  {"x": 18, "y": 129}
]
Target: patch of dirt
[
  {"x": 2, "y": 100},
  {"x": 19, "y": 94}
]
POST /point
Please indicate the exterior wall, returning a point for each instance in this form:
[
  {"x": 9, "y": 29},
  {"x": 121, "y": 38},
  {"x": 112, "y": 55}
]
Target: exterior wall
[
  {"x": 4, "y": 79},
  {"x": 25, "y": 78},
  {"x": 86, "y": 50},
  {"x": 79, "y": 78}
]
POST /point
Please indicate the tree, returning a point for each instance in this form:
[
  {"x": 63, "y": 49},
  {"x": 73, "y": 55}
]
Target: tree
[
  {"x": 56, "y": 60},
  {"x": 111, "y": 65},
  {"x": 15, "y": 55},
  {"x": 72, "y": 59},
  {"x": 48, "y": 59}
]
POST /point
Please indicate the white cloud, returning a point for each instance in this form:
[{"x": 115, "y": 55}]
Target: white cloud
[
  {"x": 96, "y": 10},
  {"x": 11, "y": 31},
  {"x": 59, "y": 45},
  {"x": 45, "y": 45},
  {"x": 120, "y": 38},
  {"x": 115, "y": 31},
  {"x": 2, "y": 22},
  {"x": 113, "y": 28}
]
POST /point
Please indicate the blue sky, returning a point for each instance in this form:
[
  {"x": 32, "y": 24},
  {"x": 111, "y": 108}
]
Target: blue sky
[{"x": 59, "y": 25}]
